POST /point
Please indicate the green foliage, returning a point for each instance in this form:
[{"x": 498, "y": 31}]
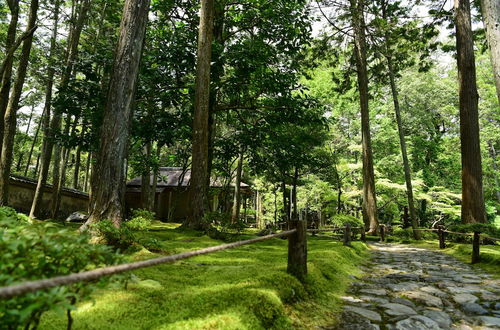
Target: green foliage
[
  {"x": 488, "y": 229},
  {"x": 242, "y": 288},
  {"x": 120, "y": 238},
  {"x": 7, "y": 213},
  {"x": 36, "y": 251},
  {"x": 341, "y": 220},
  {"x": 141, "y": 219}
]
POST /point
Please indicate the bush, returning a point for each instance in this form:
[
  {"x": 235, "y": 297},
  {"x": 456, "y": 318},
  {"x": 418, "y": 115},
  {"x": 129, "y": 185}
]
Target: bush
[
  {"x": 403, "y": 234},
  {"x": 36, "y": 251},
  {"x": 9, "y": 213},
  {"x": 340, "y": 220},
  {"x": 121, "y": 238},
  {"x": 141, "y": 220},
  {"x": 484, "y": 228}
]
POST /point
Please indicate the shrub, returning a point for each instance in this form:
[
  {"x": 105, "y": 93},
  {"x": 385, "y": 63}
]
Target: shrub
[
  {"x": 9, "y": 213},
  {"x": 484, "y": 228},
  {"x": 121, "y": 238},
  {"x": 35, "y": 251},
  {"x": 141, "y": 220},
  {"x": 403, "y": 234},
  {"x": 340, "y": 220}
]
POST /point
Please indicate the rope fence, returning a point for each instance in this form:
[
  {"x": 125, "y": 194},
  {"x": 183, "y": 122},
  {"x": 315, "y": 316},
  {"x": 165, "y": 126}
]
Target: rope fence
[{"x": 31, "y": 286}]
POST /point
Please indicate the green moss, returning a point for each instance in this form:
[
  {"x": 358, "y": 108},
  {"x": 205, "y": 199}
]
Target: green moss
[{"x": 243, "y": 288}]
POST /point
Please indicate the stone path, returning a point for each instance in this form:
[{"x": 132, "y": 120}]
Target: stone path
[{"x": 413, "y": 288}]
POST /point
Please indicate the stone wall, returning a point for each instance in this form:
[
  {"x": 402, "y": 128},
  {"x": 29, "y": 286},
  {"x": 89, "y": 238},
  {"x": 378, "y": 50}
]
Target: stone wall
[{"x": 22, "y": 191}]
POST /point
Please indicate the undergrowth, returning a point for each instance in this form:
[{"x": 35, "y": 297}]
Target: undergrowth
[{"x": 243, "y": 288}]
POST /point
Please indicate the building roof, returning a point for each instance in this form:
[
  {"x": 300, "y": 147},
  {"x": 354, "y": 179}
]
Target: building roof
[
  {"x": 174, "y": 177},
  {"x": 14, "y": 178}
]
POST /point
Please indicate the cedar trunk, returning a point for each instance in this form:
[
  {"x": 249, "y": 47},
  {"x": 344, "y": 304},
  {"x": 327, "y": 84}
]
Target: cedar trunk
[
  {"x": 404, "y": 153},
  {"x": 108, "y": 180},
  {"x": 199, "y": 169},
  {"x": 51, "y": 126},
  {"x": 10, "y": 119},
  {"x": 6, "y": 77},
  {"x": 491, "y": 20},
  {"x": 369, "y": 197},
  {"x": 472, "y": 180},
  {"x": 237, "y": 190}
]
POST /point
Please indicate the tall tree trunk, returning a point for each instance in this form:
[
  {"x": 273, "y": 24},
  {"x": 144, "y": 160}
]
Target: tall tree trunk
[
  {"x": 493, "y": 155},
  {"x": 59, "y": 182},
  {"x": 6, "y": 77},
  {"x": 295, "y": 213},
  {"x": 199, "y": 169},
  {"x": 21, "y": 153},
  {"x": 402, "y": 142},
  {"x": 285, "y": 203},
  {"x": 216, "y": 73},
  {"x": 156, "y": 170},
  {"x": 78, "y": 160},
  {"x": 35, "y": 138},
  {"x": 108, "y": 180},
  {"x": 369, "y": 197},
  {"x": 472, "y": 177},
  {"x": 491, "y": 19},
  {"x": 51, "y": 126},
  {"x": 146, "y": 179},
  {"x": 10, "y": 119},
  {"x": 87, "y": 172},
  {"x": 235, "y": 216}
]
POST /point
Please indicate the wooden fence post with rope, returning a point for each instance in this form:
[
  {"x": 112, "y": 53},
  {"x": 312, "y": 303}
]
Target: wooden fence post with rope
[{"x": 297, "y": 250}]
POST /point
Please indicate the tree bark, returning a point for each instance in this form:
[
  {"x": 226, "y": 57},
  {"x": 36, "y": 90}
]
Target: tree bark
[
  {"x": 491, "y": 19},
  {"x": 10, "y": 119},
  {"x": 30, "y": 154},
  {"x": 21, "y": 153},
  {"x": 472, "y": 178},
  {"x": 493, "y": 155},
  {"x": 369, "y": 197},
  {"x": 51, "y": 126},
  {"x": 199, "y": 169},
  {"x": 235, "y": 216},
  {"x": 146, "y": 179},
  {"x": 402, "y": 142},
  {"x": 59, "y": 182},
  {"x": 78, "y": 161},
  {"x": 6, "y": 77},
  {"x": 108, "y": 180},
  {"x": 87, "y": 172}
]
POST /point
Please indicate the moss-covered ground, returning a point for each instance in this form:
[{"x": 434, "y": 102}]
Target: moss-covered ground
[{"x": 242, "y": 288}]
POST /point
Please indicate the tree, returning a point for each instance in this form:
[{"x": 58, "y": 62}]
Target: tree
[
  {"x": 472, "y": 181},
  {"x": 369, "y": 197},
  {"x": 491, "y": 19},
  {"x": 108, "y": 180},
  {"x": 199, "y": 169},
  {"x": 10, "y": 119}
]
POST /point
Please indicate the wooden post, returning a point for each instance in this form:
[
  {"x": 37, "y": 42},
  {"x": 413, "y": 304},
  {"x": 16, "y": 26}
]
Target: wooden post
[
  {"x": 442, "y": 243},
  {"x": 347, "y": 235},
  {"x": 382, "y": 233},
  {"x": 475, "y": 248},
  {"x": 297, "y": 250},
  {"x": 363, "y": 233}
]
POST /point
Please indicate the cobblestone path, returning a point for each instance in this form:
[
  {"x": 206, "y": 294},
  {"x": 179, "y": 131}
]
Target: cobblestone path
[{"x": 418, "y": 289}]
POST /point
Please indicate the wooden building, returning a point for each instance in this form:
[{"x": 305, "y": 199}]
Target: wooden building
[{"x": 171, "y": 195}]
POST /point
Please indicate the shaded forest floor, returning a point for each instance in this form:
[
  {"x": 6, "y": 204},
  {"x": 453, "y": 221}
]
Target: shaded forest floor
[{"x": 243, "y": 288}]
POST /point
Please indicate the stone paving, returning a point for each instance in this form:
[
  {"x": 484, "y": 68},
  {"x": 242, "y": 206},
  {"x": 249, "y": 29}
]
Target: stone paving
[{"x": 417, "y": 289}]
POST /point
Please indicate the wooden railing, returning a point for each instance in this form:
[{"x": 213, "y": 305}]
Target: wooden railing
[
  {"x": 297, "y": 263},
  {"x": 476, "y": 240}
]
